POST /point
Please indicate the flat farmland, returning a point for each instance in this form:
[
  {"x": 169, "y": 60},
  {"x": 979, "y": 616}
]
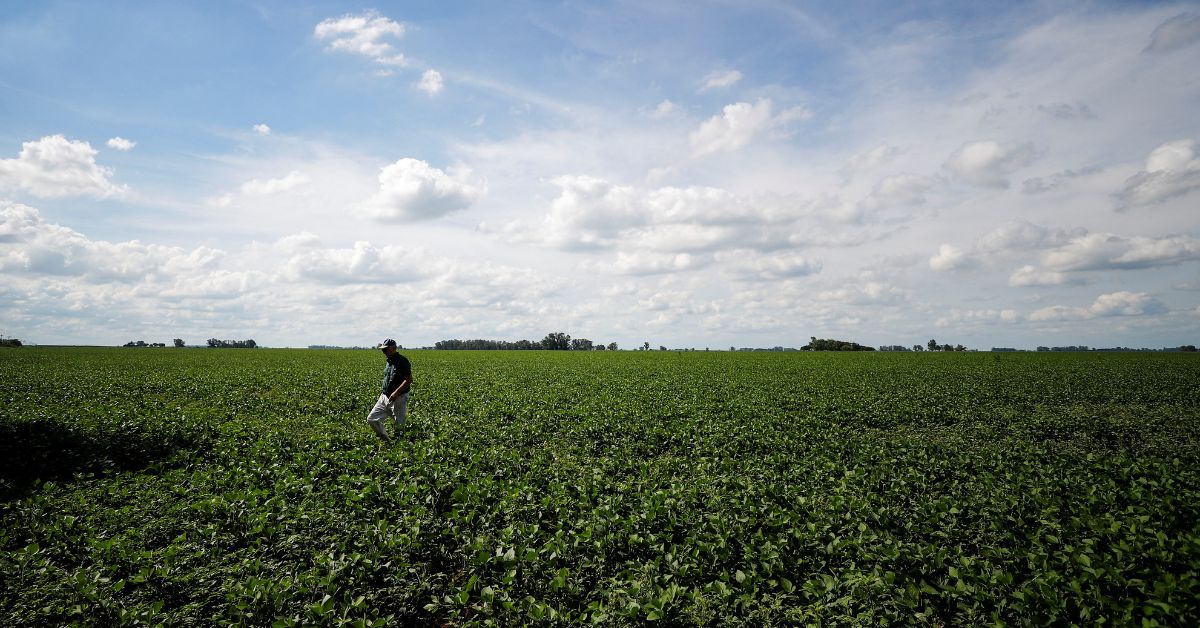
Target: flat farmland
[{"x": 213, "y": 486}]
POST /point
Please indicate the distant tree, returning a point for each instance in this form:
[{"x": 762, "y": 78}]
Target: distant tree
[
  {"x": 829, "y": 344},
  {"x": 932, "y": 344},
  {"x": 556, "y": 341},
  {"x": 732, "y": 348},
  {"x": 1187, "y": 348},
  {"x": 661, "y": 348},
  {"x": 178, "y": 342},
  {"x": 612, "y": 346},
  {"x": 215, "y": 343},
  {"x": 918, "y": 348},
  {"x": 9, "y": 342},
  {"x": 959, "y": 348},
  {"x": 600, "y": 346},
  {"x": 646, "y": 346},
  {"x": 581, "y": 344}
]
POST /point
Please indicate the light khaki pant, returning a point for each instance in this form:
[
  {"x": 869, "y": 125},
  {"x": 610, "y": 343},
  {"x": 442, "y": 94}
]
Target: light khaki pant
[{"x": 397, "y": 410}]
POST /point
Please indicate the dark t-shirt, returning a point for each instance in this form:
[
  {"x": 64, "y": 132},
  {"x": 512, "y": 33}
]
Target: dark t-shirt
[{"x": 394, "y": 373}]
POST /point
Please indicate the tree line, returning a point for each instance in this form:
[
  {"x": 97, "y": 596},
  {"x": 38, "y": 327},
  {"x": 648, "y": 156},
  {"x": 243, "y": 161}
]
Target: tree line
[
  {"x": 829, "y": 344},
  {"x": 554, "y": 341},
  {"x": 215, "y": 343}
]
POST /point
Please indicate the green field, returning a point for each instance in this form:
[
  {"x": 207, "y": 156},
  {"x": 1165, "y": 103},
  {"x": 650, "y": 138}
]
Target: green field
[{"x": 194, "y": 486}]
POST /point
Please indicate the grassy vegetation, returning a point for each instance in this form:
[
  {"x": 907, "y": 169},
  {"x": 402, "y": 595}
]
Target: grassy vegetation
[{"x": 197, "y": 486}]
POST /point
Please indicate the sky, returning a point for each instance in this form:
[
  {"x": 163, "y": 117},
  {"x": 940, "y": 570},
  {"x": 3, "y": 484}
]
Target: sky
[{"x": 688, "y": 174}]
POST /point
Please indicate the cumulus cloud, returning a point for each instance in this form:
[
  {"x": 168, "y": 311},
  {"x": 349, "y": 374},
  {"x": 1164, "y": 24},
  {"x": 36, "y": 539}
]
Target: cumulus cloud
[
  {"x": 30, "y": 245},
  {"x": 720, "y": 79},
  {"x": 1037, "y": 185},
  {"x": 1106, "y": 251},
  {"x": 1113, "y": 304},
  {"x": 1030, "y": 276},
  {"x": 263, "y": 187},
  {"x": 1172, "y": 170},
  {"x": 365, "y": 34},
  {"x": 1018, "y": 236},
  {"x": 54, "y": 167},
  {"x": 120, "y": 143},
  {"x": 262, "y": 129},
  {"x": 1126, "y": 304},
  {"x": 1063, "y": 253},
  {"x": 738, "y": 125},
  {"x": 902, "y": 189},
  {"x": 363, "y": 263},
  {"x": 868, "y": 291},
  {"x": 646, "y": 263},
  {"x": 870, "y": 159},
  {"x": 411, "y": 190},
  {"x": 988, "y": 163},
  {"x": 589, "y": 212},
  {"x": 431, "y": 82},
  {"x": 966, "y": 317},
  {"x": 949, "y": 257},
  {"x": 754, "y": 266},
  {"x": 592, "y": 213},
  {"x": 1178, "y": 32},
  {"x": 665, "y": 109}
]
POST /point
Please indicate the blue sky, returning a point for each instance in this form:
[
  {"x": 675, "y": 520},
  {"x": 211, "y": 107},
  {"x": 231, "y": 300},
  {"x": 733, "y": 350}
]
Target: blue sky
[{"x": 689, "y": 174}]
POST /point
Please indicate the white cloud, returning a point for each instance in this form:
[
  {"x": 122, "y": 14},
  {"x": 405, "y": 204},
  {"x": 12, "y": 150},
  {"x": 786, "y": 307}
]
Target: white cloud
[
  {"x": 263, "y": 187},
  {"x": 720, "y": 79},
  {"x": 1178, "y": 32},
  {"x": 960, "y": 318},
  {"x": 411, "y": 190},
  {"x": 590, "y": 212},
  {"x": 949, "y": 257},
  {"x": 643, "y": 263},
  {"x": 738, "y": 125},
  {"x": 1037, "y": 185},
  {"x": 988, "y": 163},
  {"x": 297, "y": 242},
  {"x": 1112, "y": 304},
  {"x": 431, "y": 82},
  {"x": 1126, "y": 304},
  {"x": 868, "y": 291},
  {"x": 364, "y": 263},
  {"x": 665, "y": 109},
  {"x": 1022, "y": 235},
  {"x": 1064, "y": 254},
  {"x": 1056, "y": 313},
  {"x": 364, "y": 34},
  {"x": 120, "y": 143},
  {"x": 54, "y": 167},
  {"x": 1106, "y": 251},
  {"x": 262, "y": 129},
  {"x": 1030, "y": 276},
  {"x": 899, "y": 190},
  {"x": 29, "y": 245},
  {"x": 1172, "y": 170},
  {"x": 754, "y": 266},
  {"x": 870, "y": 159}
]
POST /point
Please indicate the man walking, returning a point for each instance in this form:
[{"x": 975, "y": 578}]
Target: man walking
[{"x": 393, "y": 400}]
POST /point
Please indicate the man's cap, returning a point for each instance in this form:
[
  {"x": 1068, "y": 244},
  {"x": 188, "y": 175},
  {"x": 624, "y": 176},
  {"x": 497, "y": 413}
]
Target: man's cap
[{"x": 386, "y": 343}]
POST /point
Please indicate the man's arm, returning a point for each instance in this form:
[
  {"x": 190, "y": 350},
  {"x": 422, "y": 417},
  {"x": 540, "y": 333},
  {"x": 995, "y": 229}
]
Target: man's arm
[{"x": 405, "y": 384}]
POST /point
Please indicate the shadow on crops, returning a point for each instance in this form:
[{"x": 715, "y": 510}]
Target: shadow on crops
[{"x": 42, "y": 449}]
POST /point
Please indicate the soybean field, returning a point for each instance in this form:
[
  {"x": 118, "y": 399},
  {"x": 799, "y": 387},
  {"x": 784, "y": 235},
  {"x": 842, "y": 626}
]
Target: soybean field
[{"x": 221, "y": 486}]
